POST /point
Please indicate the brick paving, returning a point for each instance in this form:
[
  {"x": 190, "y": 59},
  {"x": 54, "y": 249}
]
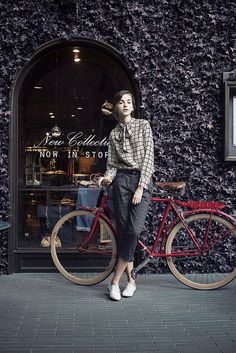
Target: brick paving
[{"x": 43, "y": 312}]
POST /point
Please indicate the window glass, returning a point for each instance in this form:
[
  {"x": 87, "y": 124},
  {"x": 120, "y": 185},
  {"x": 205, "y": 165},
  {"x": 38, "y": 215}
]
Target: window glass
[{"x": 63, "y": 135}]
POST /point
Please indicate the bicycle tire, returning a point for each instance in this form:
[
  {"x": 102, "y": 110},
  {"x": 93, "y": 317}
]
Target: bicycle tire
[
  {"x": 96, "y": 261},
  {"x": 217, "y": 267}
]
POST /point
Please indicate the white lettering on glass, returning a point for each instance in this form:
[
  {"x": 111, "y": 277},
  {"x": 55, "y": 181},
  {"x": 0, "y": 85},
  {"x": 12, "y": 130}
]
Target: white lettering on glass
[
  {"x": 48, "y": 154},
  {"x": 73, "y": 139}
]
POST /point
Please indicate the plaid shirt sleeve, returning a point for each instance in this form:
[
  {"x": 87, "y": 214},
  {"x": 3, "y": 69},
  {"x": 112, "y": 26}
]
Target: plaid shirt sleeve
[
  {"x": 111, "y": 161},
  {"x": 147, "y": 167}
]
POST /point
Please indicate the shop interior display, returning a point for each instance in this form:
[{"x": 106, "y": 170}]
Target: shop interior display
[
  {"x": 50, "y": 190},
  {"x": 65, "y": 120}
]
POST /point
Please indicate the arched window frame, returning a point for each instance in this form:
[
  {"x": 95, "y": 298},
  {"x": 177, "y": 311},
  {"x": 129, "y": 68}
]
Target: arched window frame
[{"x": 18, "y": 86}]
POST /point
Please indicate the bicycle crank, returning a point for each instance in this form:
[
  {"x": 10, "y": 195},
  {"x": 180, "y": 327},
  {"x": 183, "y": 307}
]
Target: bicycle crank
[{"x": 135, "y": 271}]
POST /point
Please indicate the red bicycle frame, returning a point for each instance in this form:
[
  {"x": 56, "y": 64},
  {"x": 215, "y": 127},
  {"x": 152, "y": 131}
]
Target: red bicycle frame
[{"x": 157, "y": 249}]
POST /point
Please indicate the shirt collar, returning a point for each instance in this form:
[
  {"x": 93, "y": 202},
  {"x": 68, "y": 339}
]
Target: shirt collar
[{"x": 127, "y": 128}]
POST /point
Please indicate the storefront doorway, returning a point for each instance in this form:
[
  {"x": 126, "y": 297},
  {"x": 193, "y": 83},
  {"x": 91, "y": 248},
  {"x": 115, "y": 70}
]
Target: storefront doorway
[{"x": 59, "y": 136}]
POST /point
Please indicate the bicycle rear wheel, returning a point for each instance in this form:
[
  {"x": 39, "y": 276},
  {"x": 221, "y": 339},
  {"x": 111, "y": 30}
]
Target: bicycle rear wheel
[
  {"x": 84, "y": 258},
  {"x": 217, "y": 266}
]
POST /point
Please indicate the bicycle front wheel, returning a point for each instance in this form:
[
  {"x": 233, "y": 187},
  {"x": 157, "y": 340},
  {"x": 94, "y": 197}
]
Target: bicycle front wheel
[
  {"x": 215, "y": 266},
  {"x": 83, "y": 247}
]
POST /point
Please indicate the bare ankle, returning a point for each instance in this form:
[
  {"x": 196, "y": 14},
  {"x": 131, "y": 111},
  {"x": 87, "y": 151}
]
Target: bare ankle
[{"x": 115, "y": 283}]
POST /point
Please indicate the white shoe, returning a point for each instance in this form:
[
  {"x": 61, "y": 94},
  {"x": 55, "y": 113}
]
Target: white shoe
[
  {"x": 129, "y": 290},
  {"x": 114, "y": 291}
]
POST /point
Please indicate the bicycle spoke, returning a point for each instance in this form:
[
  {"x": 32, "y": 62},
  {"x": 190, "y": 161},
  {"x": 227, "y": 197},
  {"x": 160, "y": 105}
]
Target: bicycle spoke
[
  {"x": 89, "y": 254},
  {"x": 215, "y": 266}
]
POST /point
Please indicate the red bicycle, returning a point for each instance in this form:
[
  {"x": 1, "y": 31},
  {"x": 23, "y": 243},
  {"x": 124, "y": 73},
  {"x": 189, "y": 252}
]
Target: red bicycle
[{"x": 198, "y": 241}]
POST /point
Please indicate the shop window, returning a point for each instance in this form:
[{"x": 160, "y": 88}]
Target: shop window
[{"x": 61, "y": 131}]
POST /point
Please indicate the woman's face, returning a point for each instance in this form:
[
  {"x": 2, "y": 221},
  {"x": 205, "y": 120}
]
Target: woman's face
[{"x": 124, "y": 107}]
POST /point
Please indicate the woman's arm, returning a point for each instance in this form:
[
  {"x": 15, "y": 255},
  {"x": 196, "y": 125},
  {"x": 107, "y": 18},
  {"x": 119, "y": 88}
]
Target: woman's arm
[
  {"x": 111, "y": 161},
  {"x": 148, "y": 161}
]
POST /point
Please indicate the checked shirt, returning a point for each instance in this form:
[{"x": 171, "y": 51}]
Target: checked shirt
[{"x": 131, "y": 147}]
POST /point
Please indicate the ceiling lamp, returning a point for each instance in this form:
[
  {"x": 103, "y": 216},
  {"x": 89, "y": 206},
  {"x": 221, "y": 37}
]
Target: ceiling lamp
[
  {"x": 56, "y": 131},
  {"x": 106, "y": 108},
  {"x": 76, "y": 55},
  {"x": 51, "y": 115}
]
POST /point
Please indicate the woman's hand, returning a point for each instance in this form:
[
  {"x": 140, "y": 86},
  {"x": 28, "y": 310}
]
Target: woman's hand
[
  {"x": 137, "y": 196},
  {"x": 103, "y": 181}
]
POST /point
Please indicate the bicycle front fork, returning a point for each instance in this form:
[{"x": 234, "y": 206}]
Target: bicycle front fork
[{"x": 135, "y": 271}]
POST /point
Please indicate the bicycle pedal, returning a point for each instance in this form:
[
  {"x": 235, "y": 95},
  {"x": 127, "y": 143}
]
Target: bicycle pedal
[{"x": 133, "y": 274}]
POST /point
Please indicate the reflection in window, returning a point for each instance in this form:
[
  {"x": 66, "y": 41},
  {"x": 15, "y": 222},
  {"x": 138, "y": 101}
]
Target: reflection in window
[{"x": 63, "y": 135}]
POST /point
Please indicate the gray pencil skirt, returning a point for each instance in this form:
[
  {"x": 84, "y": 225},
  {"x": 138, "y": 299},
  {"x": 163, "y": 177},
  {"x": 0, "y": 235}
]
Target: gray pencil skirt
[{"x": 129, "y": 218}]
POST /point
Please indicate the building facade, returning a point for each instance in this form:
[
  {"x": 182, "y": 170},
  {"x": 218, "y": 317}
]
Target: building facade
[{"x": 170, "y": 54}]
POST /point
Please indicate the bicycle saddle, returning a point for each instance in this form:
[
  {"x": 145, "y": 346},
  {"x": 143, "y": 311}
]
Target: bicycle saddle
[{"x": 175, "y": 185}]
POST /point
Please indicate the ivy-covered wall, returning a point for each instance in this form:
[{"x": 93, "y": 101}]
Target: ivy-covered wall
[{"x": 177, "y": 50}]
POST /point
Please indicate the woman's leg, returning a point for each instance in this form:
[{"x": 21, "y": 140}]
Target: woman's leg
[
  {"x": 122, "y": 201},
  {"x": 121, "y": 266},
  {"x": 128, "y": 270},
  {"x": 113, "y": 288},
  {"x": 130, "y": 220}
]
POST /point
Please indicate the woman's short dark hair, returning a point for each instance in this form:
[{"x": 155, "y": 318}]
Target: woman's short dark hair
[{"x": 117, "y": 98}]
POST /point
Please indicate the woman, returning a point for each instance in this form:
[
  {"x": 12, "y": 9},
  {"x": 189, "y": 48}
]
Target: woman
[{"x": 130, "y": 167}]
